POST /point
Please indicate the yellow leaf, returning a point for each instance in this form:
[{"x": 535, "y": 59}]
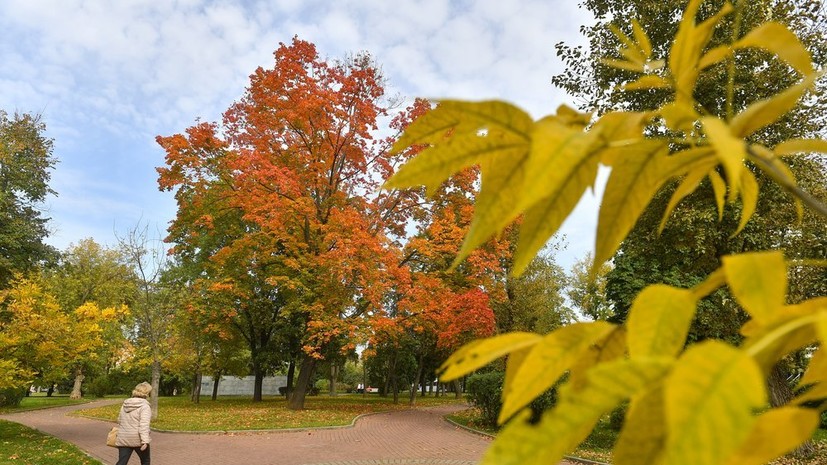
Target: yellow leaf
[
  {"x": 497, "y": 204},
  {"x": 649, "y": 81},
  {"x": 778, "y": 170},
  {"x": 719, "y": 189},
  {"x": 731, "y": 151},
  {"x": 479, "y": 353},
  {"x": 690, "y": 41},
  {"x": 638, "y": 171},
  {"x": 512, "y": 366},
  {"x": 549, "y": 195},
  {"x": 793, "y": 146},
  {"x": 562, "y": 428},
  {"x": 659, "y": 321},
  {"x": 714, "y": 56},
  {"x": 687, "y": 186},
  {"x": 775, "y": 433},
  {"x": 709, "y": 398},
  {"x": 758, "y": 281},
  {"x": 630, "y": 49},
  {"x": 642, "y": 39},
  {"x": 612, "y": 347},
  {"x": 749, "y": 199},
  {"x": 766, "y": 112},
  {"x": 768, "y": 344},
  {"x": 622, "y": 64},
  {"x": 548, "y": 360},
  {"x": 817, "y": 368},
  {"x": 643, "y": 436},
  {"x": 776, "y": 38},
  {"x": 481, "y": 130},
  {"x": 679, "y": 116}
]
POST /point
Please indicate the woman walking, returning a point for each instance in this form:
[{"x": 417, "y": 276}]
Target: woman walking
[{"x": 133, "y": 426}]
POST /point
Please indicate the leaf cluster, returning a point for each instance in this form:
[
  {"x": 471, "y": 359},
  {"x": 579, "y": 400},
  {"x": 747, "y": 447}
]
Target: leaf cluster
[{"x": 692, "y": 404}]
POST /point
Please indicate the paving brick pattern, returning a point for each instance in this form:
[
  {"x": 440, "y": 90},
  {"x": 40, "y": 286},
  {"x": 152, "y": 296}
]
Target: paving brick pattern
[{"x": 411, "y": 437}]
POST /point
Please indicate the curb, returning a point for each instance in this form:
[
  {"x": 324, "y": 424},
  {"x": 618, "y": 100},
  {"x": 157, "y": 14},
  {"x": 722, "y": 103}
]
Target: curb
[{"x": 483, "y": 433}]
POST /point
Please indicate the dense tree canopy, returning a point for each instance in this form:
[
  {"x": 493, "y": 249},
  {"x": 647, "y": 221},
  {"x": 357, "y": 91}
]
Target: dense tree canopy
[{"x": 25, "y": 163}]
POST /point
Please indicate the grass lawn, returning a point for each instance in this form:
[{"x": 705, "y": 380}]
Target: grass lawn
[
  {"x": 598, "y": 446},
  {"x": 20, "y": 445},
  {"x": 240, "y": 413},
  {"x": 36, "y": 401}
]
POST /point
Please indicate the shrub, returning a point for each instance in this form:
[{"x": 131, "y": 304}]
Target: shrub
[
  {"x": 617, "y": 417},
  {"x": 485, "y": 393},
  {"x": 11, "y": 397}
]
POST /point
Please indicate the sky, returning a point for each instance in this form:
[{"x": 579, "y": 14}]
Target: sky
[{"x": 109, "y": 76}]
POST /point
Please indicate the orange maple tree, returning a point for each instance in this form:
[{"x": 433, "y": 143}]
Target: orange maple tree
[{"x": 279, "y": 206}]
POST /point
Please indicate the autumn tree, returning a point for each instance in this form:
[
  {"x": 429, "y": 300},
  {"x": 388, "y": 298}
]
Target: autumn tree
[
  {"x": 298, "y": 160},
  {"x": 26, "y": 162},
  {"x": 88, "y": 273},
  {"x": 701, "y": 403}
]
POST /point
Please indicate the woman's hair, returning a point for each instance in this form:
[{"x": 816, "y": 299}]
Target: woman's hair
[{"x": 142, "y": 390}]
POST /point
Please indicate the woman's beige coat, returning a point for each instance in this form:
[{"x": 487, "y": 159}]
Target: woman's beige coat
[{"x": 133, "y": 423}]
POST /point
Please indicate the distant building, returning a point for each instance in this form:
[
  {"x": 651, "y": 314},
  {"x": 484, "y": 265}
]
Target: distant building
[{"x": 235, "y": 386}]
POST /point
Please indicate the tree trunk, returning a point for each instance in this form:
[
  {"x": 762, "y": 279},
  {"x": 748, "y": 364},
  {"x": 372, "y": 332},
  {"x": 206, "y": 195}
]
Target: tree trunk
[
  {"x": 196, "y": 388},
  {"x": 76, "y": 391},
  {"x": 215, "y": 382},
  {"x": 291, "y": 374},
  {"x": 332, "y": 384},
  {"x": 781, "y": 394},
  {"x": 51, "y": 390},
  {"x": 156, "y": 383},
  {"x": 306, "y": 371},
  {"x": 257, "y": 384},
  {"x": 417, "y": 380},
  {"x": 457, "y": 389}
]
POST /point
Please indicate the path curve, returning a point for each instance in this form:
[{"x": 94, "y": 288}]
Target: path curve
[{"x": 407, "y": 437}]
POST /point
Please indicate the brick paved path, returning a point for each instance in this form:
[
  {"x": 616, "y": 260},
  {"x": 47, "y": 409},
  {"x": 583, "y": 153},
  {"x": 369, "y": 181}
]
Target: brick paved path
[{"x": 411, "y": 437}]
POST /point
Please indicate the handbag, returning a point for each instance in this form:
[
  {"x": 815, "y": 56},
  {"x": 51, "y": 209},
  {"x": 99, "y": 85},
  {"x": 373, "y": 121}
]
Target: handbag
[{"x": 112, "y": 437}]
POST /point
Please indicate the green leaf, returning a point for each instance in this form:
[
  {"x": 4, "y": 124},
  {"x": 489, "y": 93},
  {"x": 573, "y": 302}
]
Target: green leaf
[
  {"x": 758, "y": 281},
  {"x": 793, "y": 146},
  {"x": 709, "y": 398},
  {"x": 659, "y": 321},
  {"x": 562, "y": 428},
  {"x": 481, "y": 352},
  {"x": 749, "y": 199},
  {"x": 548, "y": 360},
  {"x": 643, "y": 436},
  {"x": 638, "y": 171},
  {"x": 766, "y": 112},
  {"x": 775, "y": 433},
  {"x": 776, "y": 38},
  {"x": 731, "y": 151}
]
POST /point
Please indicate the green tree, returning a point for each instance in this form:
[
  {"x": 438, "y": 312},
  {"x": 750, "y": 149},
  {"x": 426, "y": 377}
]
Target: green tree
[
  {"x": 25, "y": 164},
  {"x": 587, "y": 290}
]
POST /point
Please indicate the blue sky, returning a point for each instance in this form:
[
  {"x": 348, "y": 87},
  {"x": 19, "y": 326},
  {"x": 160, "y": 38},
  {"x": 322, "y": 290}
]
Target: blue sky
[{"x": 108, "y": 76}]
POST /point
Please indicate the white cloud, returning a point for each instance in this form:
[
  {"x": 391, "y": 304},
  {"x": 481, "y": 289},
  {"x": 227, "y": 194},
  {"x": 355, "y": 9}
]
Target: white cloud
[{"x": 109, "y": 76}]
